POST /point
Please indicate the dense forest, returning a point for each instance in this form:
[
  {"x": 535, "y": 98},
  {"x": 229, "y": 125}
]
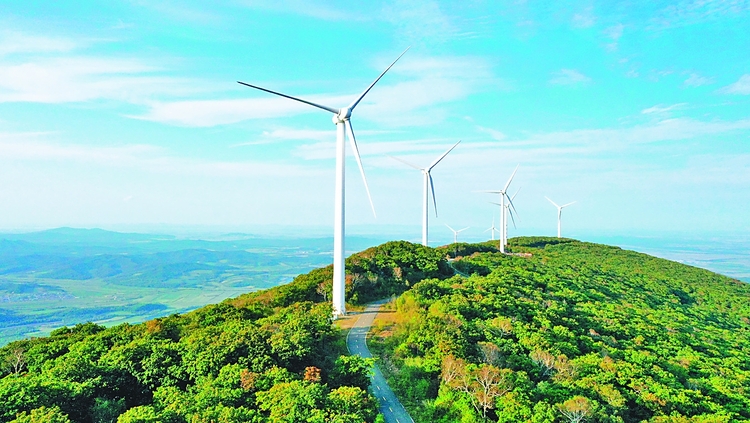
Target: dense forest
[
  {"x": 268, "y": 356},
  {"x": 565, "y": 331},
  {"x": 558, "y": 331}
]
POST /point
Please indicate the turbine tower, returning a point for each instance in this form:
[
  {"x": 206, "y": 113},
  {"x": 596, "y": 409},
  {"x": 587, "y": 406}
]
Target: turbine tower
[
  {"x": 427, "y": 180},
  {"x": 508, "y": 211},
  {"x": 559, "y": 213},
  {"x": 492, "y": 228},
  {"x": 455, "y": 232},
  {"x": 503, "y": 195},
  {"x": 341, "y": 118}
]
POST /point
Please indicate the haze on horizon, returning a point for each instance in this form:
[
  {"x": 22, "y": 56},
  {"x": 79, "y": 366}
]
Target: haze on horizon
[{"x": 127, "y": 115}]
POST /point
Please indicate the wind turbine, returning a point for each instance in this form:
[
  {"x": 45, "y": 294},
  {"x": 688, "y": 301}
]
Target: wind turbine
[
  {"x": 508, "y": 211},
  {"x": 341, "y": 118},
  {"x": 427, "y": 180},
  {"x": 455, "y": 232},
  {"x": 503, "y": 194},
  {"x": 559, "y": 213},
  {"x": 492, "y": 228}
]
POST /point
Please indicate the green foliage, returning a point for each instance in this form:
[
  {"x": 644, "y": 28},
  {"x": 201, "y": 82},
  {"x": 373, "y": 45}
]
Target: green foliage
[
  {"x": 351, "y": 404},
  {"x": 42, "y": 415},
  {"x": 462, "y": 249},
  {"x": 230, "y": 362},
  {"x": 559, "y": 331},
  {"x": 392, "y": 268},
  {"x": 375, "y": 273},
  {"x": 352, "y": 370},
  {"x": 579, "y": 332}
]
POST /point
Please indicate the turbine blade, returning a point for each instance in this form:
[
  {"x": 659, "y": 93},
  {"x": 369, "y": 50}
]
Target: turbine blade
[
  {"x": 490, "y": 192},
  {"x": 511, "y": 178},
  {"x": 319, "y": 106},
  {"x": 497, "y": 204},
  {"x": 355, "y": 102},
  {"x": 463, "y": 229},
  {"x": 353, "y": 141},
  {"x": 567, "y": 204},
  {"x": 441, "y": 157},
  {"x": 404, "y": 162},
  {"x": 512, "y": 219},
  {"x": 512, "y": 206},
  {"x": 432, "y": 187},
  {"x": 553, "y": 203},
  {"x": 450, "y": 227},
  {"x": 514, "y": 195}
]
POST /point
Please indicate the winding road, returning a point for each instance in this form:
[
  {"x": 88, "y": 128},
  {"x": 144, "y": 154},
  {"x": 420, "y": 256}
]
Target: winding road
[{"x": 356, "y": 342}]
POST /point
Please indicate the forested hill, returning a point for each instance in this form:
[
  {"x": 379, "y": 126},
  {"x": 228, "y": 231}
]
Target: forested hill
[
  {"x": 567, "y": 331},
  {"x": 269, "y": 356},
  {"x": 561, "y": 331}
]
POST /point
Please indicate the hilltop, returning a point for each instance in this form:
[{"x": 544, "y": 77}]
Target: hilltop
[
  {"x": 561, "y": 330},
  {"x": 570, "y": 331}
]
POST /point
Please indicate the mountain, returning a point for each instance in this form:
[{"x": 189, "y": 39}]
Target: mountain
[{"x": 558, "y": 331}]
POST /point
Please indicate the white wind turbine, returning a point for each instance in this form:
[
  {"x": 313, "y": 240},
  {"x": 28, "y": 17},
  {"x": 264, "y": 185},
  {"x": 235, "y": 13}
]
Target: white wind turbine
[
  {"x": 559, "y": 213},
  {"x": 455, "y": 232},
  {"x": 427, "y": 180},
  {"x": 508, "y": 211},
  {"x": 492, "y": 229},
  {"x": 503, "y": 217},
  {"x": 341, "y": 118}
]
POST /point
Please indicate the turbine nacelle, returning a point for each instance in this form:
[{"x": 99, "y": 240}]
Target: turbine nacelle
[{"x": 342, "y": 116}]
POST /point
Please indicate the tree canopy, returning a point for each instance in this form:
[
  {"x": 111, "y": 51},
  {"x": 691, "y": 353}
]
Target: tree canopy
[
  {"x": 567, "y": 331},
  {"x": 557, "y": 331}
]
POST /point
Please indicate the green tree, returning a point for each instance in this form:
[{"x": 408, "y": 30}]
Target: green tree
[
  {"x": 42, "y": 415},
  {"x": 292, "y": 402}
]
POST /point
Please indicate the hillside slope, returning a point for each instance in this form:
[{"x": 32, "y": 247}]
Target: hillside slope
[
  {"x": 571, "y": 331},
  {"x": 270, "y": 356},
  {"x": 565, "y": 331}
]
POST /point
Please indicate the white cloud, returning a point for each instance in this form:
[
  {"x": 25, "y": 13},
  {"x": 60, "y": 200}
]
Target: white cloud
[
  {"x": 665, "y": 130},
  {"x": 314, "y": 9},
  {"x": 298, "y": 134},
  {"x": 696, "y": 80},
  {"x": 221, "y": 112},
  {"x": 378, "y": 151},
  {"x": 687, "y": 12},
  {"x": 420, "y": 21},
  {"x": 77, "y": 79},
  {"x": 494, "y": 133},
  {"x": 430, "y": 82},
  {"x": 662, "y": 109},
  {"x": 540, "y": 148},
  {"x": 569, "y": 77},
  {"x": 16, "y": 42},
  {"x": 28, "y": 147},
  {"x": 584, "y": 19},
  {"x": 292, "y": 134},
  {"x": 31, "y": 147},
  {"x": 742, "y": 86},
  {"x": 615, "y": 32}
]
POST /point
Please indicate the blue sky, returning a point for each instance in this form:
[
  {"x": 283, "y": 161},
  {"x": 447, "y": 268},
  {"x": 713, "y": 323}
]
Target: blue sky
[{"x": 126, "y": 115}]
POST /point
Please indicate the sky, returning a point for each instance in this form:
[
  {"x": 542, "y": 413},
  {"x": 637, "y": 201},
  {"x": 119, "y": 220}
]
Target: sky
[{"x": 126, "y": 115}]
